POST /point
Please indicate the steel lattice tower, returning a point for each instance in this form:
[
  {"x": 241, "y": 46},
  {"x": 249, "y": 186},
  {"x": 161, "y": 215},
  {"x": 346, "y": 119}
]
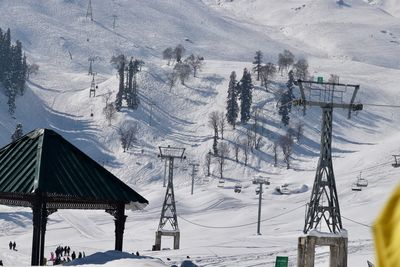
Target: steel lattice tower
[
  {"x": 89, "y": 11},
  {"x": 169, "y": 217},
  {"x": 324, "y": 202}
]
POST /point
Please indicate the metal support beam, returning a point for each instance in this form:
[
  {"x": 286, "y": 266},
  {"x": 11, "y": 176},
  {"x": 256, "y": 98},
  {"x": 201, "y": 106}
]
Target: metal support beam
[{"x": 324, "y": 204}]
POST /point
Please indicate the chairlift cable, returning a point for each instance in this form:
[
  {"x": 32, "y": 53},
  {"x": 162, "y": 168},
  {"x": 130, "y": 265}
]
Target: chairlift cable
[
  {"x": 242, "y": 225},
  {"x": 351, "y": 220}
]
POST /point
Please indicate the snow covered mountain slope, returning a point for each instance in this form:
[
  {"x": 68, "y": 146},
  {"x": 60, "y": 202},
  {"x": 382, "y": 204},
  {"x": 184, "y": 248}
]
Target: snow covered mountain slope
[{"x": 356, "y": 41}]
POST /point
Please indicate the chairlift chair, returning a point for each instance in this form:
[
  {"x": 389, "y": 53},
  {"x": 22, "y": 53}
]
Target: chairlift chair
[
  {"x": 396, "y": 161},
  {"x": 221, "y": 183},
  {"x": 258, "y": 190},
  {"x": 238, "y": 188},
  {"x": 355, "y": 187}
]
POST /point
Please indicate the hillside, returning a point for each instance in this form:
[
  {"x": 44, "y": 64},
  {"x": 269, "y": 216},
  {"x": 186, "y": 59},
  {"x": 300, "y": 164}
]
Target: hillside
[{"x": 357, "y": 41}]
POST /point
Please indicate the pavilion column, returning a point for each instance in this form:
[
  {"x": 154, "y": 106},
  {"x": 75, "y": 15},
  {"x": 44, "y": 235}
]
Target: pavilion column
[
  {"x": 45, "y": 214},
  {"x": 36, "y": 220},
  {"x": 119, "y": 220}
]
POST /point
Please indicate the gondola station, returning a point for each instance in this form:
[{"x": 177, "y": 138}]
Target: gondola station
[{"x": 45, "y": 172}]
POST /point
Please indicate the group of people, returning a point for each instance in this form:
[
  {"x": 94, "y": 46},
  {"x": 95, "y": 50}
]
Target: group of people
[
  {"x": 62, "y": 254},
  {"x": 12, "y": 245}
]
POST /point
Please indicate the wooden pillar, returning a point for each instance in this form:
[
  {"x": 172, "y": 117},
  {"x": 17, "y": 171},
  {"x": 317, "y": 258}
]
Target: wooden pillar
[
  {"x": 36, "y": 220},
  {"x": 119, "y": 220}
]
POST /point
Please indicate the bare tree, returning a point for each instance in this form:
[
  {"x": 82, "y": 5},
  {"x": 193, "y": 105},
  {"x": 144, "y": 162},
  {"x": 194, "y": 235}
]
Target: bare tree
[
  {"x": 195, "y": 62},
  {"x": 168, "y": 54},
  {"x": 285, "y": 60},
  {"x": 183, "y": 71},
  {"x": 107, "y": 97},
  {"x": 223, "y": 153},
  {"x": 179, "y": 51},
  {"x": 236, "y": 148},
  {"x": 222, "y": 124},
  {"x": 301, "y": 69},
  {"x": 128, "y": 134},
  {"x": 110, "y": 112},
  {"x": 213, "y": 122},
  {"x": 286, "y": 143},
  {"x": 250, "y": 139},
  {"x": 267, "y": 72},
  {"x": 245, "y": 146},
  {"x": 275, "y": 149},
  {"x": 172, "y": 77},
  {"x": 207, "y": 163},
  {"x": 32, "y": 69},
  {"x": 299, "y": 131}
]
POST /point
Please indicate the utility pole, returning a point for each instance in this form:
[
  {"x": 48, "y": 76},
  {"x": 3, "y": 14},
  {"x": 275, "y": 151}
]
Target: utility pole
[
  {"x": 324, "y": 201},
  {"x": 114, "y": 20},
  {"x": 194, "y": 171},
  {"x": 260, "y": 181},
  {"x": 168, "y": 211},
  {"x": 89, "y": 12}
]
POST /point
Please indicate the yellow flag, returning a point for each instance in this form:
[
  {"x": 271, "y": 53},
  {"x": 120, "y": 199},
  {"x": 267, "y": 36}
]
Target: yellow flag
[{"x": 387, "y": 233}]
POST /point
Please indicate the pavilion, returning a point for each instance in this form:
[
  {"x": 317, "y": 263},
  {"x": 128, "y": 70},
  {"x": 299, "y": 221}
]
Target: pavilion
[{"x": 45, "y": 172}]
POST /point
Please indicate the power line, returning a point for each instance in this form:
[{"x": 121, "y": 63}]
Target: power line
[{"x": 242, "y": 225}]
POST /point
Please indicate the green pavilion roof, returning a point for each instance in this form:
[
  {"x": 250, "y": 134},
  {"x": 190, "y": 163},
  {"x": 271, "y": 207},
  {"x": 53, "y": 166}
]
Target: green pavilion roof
[{"x": 44, "y": 160}]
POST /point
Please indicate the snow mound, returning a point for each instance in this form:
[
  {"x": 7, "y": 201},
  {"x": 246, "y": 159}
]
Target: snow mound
[{"x": 117, "y": 258}]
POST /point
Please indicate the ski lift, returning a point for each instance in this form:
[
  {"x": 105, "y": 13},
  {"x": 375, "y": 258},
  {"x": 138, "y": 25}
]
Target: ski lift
[
  {"x": 396, "y": 161},
  {"x": 258, "y": 190},
  {"x": 221, "y": 183},
  {"x": 362, "y": 182},
  {"x": 238, "y": 188},
  {"x": 206, "y": 179},
  {"x": 355, "y": 187},
  {"x": 284, "y": 190}
]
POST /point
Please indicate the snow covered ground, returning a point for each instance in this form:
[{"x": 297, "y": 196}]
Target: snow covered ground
[{"x": 358, "y": 41}]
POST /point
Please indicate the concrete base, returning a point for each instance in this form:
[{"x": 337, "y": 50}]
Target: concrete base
[
  {"x": 175, "y": 234},
  {"x": 306, "y": 250}
]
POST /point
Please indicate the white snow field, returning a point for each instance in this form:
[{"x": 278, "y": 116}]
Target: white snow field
[{"x": 359, "y": 41}]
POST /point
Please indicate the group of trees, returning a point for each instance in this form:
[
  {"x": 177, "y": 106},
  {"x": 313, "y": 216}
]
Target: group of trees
[
  {"x": 128, "y": 87},
  {"x": 243, "y": 91},
  {"x": 182, "y": 68},
  {"x": 13, "y": 68},
  {"x": 265, "y": 72}
]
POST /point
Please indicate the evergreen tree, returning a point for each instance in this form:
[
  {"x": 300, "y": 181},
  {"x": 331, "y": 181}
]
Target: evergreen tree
[
  {"x": 246, "y": 91},
  {"x": 18, "y": 132},
  {"x": 257, "y": 63},
  {"x": 121, "y": 89},
  {"x": 284, "y": 109},
  {"x": 232, "y": 108}
]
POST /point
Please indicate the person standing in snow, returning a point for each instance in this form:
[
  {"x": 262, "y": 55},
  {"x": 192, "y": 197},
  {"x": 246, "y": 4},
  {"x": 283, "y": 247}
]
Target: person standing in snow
[
  {"x": 80, "y": 255},
  {"x": 14, "y": 245},
  {"x": 10, "y": 245},
  {"x": 73, "y": 255}
]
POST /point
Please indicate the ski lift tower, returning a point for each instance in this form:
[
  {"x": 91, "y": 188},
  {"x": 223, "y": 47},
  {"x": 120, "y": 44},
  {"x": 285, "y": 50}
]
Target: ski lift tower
[
  {"x": 168, "y": 211},
  {"x": 323, "y": 207},
  {"x": 93, "y": 86}
]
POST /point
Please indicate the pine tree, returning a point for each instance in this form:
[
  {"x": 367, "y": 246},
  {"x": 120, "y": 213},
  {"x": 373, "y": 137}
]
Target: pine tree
[
  {"x": 257, "y": 62},
  {"x": 246, "y": 91},
  {"x": 121, "y": 89},
  {"x": 284, "y": 109},
  {"x": 232, "y": 108},
  {"x": 18, "y": 132}
]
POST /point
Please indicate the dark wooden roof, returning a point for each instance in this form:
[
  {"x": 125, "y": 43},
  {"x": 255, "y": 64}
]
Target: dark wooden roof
[{"x": 44, "y": 161}]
